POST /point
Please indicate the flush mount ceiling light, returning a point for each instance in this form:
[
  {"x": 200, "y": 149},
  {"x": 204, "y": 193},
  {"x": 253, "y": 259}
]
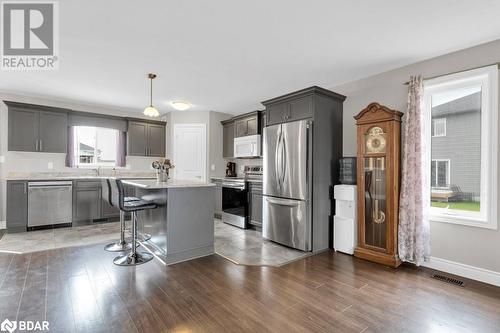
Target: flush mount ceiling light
[
  {"x": 151, "y": 111},
  {"x": 181, "y": 105}
]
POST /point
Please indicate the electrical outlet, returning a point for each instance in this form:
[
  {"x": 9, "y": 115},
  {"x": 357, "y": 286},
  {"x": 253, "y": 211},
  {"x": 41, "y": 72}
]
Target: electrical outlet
[
  {"x": 212, "y": 167},
  {"x": 50, "y": 165},
  {"x": 2, "y": 159}
]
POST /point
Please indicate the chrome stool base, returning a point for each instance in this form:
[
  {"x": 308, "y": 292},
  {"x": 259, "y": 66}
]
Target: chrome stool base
[
  {"x": 133, "y": 259},
  {"x": 143, "y": 237},
  {"x": 118, "y": 247}
]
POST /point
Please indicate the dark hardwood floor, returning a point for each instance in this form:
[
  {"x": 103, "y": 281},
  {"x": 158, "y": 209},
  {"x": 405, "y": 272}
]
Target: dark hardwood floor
[{"x": 80, "y": 290}]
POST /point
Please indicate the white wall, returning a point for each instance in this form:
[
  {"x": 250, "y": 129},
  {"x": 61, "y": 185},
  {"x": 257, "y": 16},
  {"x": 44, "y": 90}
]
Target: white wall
[
  {"x": 38, "y": 162},
  {"x": 476, "y": 247}
]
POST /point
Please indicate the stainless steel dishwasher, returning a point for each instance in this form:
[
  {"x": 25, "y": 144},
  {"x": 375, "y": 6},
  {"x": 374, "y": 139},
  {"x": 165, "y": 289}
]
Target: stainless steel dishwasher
[{"x": 49, "y": 203}]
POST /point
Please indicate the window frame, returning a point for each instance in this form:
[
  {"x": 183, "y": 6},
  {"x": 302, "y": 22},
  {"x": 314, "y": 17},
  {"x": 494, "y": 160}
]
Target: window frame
[
  {"x": 487, "y": 77},
  {"x": 434, "y": 121},
  {"x": 92, "y": 165},
  {"x": 448, "y": 169}
]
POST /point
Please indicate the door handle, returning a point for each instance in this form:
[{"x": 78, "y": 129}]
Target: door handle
[
  {"x": 282, "y": 202},
  {"x": 41, "y": 145}
]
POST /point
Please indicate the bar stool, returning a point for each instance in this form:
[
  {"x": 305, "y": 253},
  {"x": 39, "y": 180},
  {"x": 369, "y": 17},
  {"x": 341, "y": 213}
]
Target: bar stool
[
  {"x": 107, "y": 194},
  {"x": 133, "y": 258}
]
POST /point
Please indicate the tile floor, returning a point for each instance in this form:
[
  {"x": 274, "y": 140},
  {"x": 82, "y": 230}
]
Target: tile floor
[
  {"x": 60, "y": 237},
  {"x": 244, "y": 247},
  {"x": 247, "y": 247}
]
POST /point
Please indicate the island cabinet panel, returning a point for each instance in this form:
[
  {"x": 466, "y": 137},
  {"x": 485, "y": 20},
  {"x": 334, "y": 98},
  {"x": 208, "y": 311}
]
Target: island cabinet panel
[
  {"x": 87, "y": 201},
  {"x": 228, "y": 139},
  {"x": 35, "y": 128},
  {"x": 218, "y": 198},
  {"x": 17, "y": 206},
  {"x": 53, "y": 132},
  {"x": 146, "y": 139}
]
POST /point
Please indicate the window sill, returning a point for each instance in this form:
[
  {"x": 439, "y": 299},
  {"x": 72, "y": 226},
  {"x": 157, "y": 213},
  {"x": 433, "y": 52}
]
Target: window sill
[{"x": 461, "y": 220}]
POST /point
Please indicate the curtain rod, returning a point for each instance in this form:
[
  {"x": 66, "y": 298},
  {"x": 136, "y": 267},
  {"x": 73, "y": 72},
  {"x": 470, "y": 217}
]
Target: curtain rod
[{"x": 461, "y": 71}]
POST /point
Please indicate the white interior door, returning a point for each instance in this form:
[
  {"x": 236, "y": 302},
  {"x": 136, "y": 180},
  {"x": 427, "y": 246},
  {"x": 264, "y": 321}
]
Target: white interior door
[{"x": 190, "y": 151}]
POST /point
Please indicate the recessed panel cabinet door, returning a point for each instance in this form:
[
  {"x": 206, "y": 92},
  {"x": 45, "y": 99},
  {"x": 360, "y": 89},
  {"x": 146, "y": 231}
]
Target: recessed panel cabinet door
[
  {"x": 137, "y": 140},
  {"x": 23, "y": 130},
  {"x": 276, "y": 114},
  {"x": 53, "y": 132},
  {"x": 156, "y": 140},
  {"x": 86, "y": 204},
  {"x": 17, "y": 206},
  {"x": 301, "y": 108}
]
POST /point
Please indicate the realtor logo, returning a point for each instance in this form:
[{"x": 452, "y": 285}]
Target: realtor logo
[
  {"x": 8, "y": 325},
  {"x": 30, "y": 35}
]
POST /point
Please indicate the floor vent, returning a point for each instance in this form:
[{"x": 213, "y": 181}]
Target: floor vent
[{"x": 448, "y": 279}]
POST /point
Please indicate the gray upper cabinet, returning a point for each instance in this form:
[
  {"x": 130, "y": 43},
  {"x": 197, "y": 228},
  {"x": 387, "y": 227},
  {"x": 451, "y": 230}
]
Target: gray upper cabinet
[
  {"x": 137, "y": 139},
  {"x": 23, "y": 130},
  {"x": 17, "y": 206},
  {"x": 248, "y": 125},
  {"x": 228, "y": 139},
  {"x": 146, "y": 139},
  {"x": 37, "y": 129},
  {"x": 156, "y": 140},
  {"x": 53, "y": 132},
  {"x": 300, "y": 108}
]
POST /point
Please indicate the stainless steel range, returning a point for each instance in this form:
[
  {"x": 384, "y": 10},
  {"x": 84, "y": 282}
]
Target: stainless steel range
[{"x": 235, "y": 197}]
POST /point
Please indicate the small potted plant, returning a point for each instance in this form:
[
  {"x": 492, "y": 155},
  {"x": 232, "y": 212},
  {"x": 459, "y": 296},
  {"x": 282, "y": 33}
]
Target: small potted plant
[{"x": 162, "y": 168}]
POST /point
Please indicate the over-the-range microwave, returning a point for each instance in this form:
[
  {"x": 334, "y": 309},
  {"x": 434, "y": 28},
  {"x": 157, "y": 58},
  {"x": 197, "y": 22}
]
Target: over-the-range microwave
[{"x": 247, "y": 146}]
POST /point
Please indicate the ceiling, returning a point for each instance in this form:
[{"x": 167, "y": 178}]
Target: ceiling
[{"x": 228, "y": 55}]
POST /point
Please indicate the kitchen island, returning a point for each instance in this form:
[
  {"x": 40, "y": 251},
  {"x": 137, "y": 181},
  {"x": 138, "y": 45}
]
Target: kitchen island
[{"x": 182, "y": 227}]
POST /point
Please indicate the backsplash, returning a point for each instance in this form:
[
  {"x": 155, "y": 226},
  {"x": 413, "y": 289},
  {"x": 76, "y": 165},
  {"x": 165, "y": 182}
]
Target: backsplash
[{"x": 241, "y": 162}]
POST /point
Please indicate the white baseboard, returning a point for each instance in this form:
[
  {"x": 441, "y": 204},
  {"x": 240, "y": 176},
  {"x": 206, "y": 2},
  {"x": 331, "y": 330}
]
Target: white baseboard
[
  {"x": 3, "y": 225},
  {"x": 467, "y": 271}
]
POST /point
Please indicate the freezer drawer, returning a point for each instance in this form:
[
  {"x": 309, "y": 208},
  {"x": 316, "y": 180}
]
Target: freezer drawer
[{"x": 287, "y": 222}]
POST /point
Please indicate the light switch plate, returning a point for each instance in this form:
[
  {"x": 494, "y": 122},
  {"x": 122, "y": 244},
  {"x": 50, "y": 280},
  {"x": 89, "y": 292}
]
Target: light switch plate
[
  {"x": 50, "y": 165},
  {"x": 212, "y": 167},
  {"x": 2, "y": 159}
]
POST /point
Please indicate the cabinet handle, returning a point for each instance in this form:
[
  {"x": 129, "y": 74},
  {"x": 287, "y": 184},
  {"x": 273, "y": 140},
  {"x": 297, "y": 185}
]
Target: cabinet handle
[
  {"x": 25, "y": 188},
  {"x": 36, "y": 145},
  {"x": 41, "y": 145}
]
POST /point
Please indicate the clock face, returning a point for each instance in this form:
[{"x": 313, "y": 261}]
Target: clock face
[{"x": 375, "y": 141}]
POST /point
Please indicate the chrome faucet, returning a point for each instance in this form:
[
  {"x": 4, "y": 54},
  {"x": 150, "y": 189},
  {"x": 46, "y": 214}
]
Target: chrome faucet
[{"x": 97, "y": 171}]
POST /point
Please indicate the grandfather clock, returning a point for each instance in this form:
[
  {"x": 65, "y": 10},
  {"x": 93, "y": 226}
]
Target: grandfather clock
[{"x": 379, "y": 138}]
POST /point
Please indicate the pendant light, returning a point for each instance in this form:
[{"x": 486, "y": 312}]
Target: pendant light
[{"x": 151, "y": 111}]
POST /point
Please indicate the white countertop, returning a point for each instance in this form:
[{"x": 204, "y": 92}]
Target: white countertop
[
  {"x": 55, "y": 176},
  {"x": 171, "y": 183}
]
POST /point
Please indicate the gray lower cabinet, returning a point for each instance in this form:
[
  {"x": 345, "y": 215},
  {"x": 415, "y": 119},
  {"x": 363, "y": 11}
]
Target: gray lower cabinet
[
  {"x": 35, "y": 128},
  {"x": 17, "y": 206},
  {"x": 255, "y": 204},
  {"x": 146, "y": 139},
  {"x": 87, "y": 201}
]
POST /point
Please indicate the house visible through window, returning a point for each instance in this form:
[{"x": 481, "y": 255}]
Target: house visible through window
[
  {"x": 438, "y": 127},
  {"x": 96, "y": 146},
  {"x": 462, "y": 112}
]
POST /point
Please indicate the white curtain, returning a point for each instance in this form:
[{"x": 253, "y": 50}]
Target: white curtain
[{"x": 414, "y": 203}]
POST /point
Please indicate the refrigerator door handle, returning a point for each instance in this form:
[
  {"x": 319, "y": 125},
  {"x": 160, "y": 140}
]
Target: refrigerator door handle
[
  {"x": 277, "y": 160},
  {"x": 282, "y": 202},
  {"x": 284, "y": 161}
]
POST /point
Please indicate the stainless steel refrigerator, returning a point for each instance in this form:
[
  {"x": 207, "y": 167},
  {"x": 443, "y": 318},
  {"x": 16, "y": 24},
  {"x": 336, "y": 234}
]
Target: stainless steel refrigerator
[{"x": 287, "y": 184}]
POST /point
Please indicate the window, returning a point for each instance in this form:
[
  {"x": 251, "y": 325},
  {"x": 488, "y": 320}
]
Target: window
[
  {"x": 440, "y": 173},
  {"x": 438, "y": 127},
  {"x": 462, "y": 112},
  {"x": 95, "y": 146}
]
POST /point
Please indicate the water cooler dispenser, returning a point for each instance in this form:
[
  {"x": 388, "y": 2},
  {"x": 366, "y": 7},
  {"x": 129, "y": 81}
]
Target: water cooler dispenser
[{"x": 345, "y": 225}]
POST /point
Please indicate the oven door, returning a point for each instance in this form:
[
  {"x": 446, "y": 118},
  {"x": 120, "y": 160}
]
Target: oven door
[{"x": 235, "y": 206}]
